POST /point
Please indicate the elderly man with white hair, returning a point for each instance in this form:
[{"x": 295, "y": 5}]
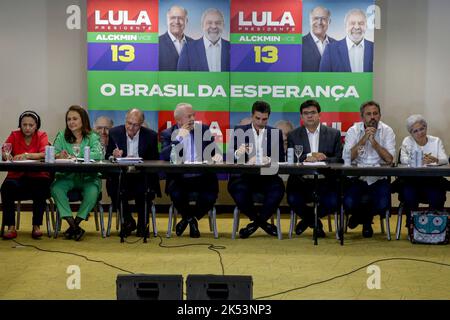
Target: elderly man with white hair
[
  {"x": 353, "y": 53},
  {"x": 193, "y": 142},
  {"x": 211, "y": 52},
  {"x": 429, "y": 190}
]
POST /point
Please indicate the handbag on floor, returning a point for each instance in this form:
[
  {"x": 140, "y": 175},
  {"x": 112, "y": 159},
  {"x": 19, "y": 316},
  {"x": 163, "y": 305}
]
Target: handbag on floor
[{"x": 429, "y": 227}]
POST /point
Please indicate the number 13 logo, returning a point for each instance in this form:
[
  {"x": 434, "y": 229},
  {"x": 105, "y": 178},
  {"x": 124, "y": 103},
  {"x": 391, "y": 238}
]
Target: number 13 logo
[
  {"x": 266, "y": 54},
  {"x": 123, "y": 53}
]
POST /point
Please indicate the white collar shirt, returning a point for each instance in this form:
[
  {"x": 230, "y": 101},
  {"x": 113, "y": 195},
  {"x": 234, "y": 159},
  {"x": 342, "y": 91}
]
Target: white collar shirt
[
  {"x": 133, "y": 145},
  {"x": 385, "y": 136},
  {"x": 213, "y": 54},
  {"x": 177, "y": 43},
  {"x": 320, "y": 45},
  {"x": 356, "y": 55},
  {"x": 313, "y": 138}
]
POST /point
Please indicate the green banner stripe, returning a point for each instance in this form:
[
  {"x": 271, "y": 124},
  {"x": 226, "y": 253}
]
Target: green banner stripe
[
  {"x": 120, "y": 37},
  {"x": 266, "y": 38},
  {"x": 337, "y": 92},
  {"x": 222, "y": 91}
]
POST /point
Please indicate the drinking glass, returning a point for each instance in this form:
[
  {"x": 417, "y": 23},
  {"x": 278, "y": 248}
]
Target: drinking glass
[
  {"x": 7, "y": 148},
  {"x": 76, "y": 151},
  {"x": 361, "y": 151},
  {"x": 103, "y": 151},
  {"x": 298, "y": 152}
]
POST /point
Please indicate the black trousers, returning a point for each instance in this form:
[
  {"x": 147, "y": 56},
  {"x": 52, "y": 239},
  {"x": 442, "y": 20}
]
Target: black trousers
[
  {"x": 242, "y": 188},
  {"x": 206, "y": 195},
  {"x": 24, "y": 188},
  {"x": 133, "y": 187}
]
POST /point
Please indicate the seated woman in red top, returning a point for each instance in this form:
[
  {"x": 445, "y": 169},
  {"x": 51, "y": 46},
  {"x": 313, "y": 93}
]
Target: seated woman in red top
[{"x": 28, "y": 143}]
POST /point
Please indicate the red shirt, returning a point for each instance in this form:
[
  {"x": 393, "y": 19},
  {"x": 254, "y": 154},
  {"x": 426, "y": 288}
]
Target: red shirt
[{"x": 38, "y": 142}]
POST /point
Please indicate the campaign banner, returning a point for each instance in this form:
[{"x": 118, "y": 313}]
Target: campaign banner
[
  {"x": 222, "y": 56},
  {"x": 266, "y": 36}
]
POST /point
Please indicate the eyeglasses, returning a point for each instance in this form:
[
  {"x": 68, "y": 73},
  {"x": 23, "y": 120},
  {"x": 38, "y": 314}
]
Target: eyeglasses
[
  {"x": 421, "y": 129},
  {"x": 325, "y": 19},
  {"x": 102, "y": 128}
]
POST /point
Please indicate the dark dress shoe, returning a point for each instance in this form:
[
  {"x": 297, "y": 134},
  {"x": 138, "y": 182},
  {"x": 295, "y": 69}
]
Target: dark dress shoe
[
  {"x": 320, "y": 233},
  {"x": 181, "y": 226},
  {"x": 141, "y": 232},
  {"x": 193, "y": 228},
  {"x": 246, "y": 232},
  {"x": 301, "y": 227},
  {"x": 352, "y": 222},
  {"x": 367, "y": 231},
  {"x": 68, "y": 234},
  {"x": 78, "y": 234},
  {"x": 128, "y": 227},
  {"x": 270, "y": 229}
]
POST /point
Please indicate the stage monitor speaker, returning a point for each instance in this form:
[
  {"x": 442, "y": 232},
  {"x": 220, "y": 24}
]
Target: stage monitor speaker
[
  {"x": 214, "y": 287},
  {"x": 149, "y": 287}
]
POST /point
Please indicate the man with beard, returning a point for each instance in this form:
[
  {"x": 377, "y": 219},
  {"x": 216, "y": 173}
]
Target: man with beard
[
  {"x": 315, "y": 42},
  {"x": 352, "y": 54},
  {"x": 371, "y": 143},
  {"x": 211, "y": 52},
  {"x": 172, "y": 42}
]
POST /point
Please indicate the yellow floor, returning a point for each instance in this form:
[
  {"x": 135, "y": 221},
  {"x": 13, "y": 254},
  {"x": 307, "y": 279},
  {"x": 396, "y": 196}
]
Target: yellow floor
[{"x": 276, "y": 266}]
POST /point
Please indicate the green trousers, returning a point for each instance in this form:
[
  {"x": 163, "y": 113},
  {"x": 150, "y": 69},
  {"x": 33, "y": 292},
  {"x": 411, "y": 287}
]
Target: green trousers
[{"x": 89, "y": 185}]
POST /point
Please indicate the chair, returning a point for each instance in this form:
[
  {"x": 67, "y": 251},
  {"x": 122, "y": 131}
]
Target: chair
[
  {"x": 258, "y": 198},
  {"x": 76, "y": 196},
  {"x": 48, "y": 208},
  {"x": 193, "y": 196},
  {"x": 112, "y": 208}
]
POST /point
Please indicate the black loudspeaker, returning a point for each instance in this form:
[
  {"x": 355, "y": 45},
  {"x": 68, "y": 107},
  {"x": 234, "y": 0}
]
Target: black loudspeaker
[
  {"x": 149, "y": 287},
  {"x": 213, "y": 287}
]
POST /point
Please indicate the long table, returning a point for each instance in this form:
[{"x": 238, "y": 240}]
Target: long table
[{"x": 339, "y": 171}]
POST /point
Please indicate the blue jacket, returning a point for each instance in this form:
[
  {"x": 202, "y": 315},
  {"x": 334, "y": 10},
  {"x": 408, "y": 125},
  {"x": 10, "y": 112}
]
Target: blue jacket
[
  {"x": 193, "y": 56},
  {"x": 335, "y": 58},
  {"x": 310, "y": 54},
  {"x": 168, "y": 55}
]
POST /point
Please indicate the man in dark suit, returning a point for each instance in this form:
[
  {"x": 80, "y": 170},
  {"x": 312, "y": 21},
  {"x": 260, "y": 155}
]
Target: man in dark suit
[
  {"x": 353, "y": 53},
  {"x": 193, "y": 142},
  {"x": 211, "y": 52},
  {"x": 257, "y": 143},
  {"x": 172, "y": 42},
  {"x": 320, "y": 143},
  {"x": 315, "y": 42},
  {"x": 133, "y": 140}
]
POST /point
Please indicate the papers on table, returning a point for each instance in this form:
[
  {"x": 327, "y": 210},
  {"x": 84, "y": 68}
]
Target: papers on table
[
  {"x": 26, "y": 160},
  {"x": 314, "y": 164},
  {"x": 129, "y": 160}
]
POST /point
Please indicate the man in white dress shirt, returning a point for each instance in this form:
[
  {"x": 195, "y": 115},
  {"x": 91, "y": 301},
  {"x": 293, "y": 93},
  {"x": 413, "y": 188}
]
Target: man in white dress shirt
[
  {"x": 372, "y": 143},
  {"x": 353, "y": 53},
  {"x": 315, "y": 42},
  {"x": 172, "y": 42},
  {"x": 210, "y": 52}
]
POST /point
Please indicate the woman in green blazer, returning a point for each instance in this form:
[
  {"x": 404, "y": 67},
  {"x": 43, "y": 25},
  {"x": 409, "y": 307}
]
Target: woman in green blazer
[{"x": 77, "y": 133}]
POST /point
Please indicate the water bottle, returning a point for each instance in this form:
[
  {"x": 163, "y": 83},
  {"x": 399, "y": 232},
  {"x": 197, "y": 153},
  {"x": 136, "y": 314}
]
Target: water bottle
[
  {"x": 258, "y": 157},
  {"x": 87, "y": 154},
  {"x": 290, "y": 155},
  {"x": 347, "y": 155},
  {"x": 419, "y": 158},
  {"x": 412, "y": 158},
  {"x": 173, "y": 155},
  {"x": 49, "y": 154},
  {"x": 1, "y": 152}
]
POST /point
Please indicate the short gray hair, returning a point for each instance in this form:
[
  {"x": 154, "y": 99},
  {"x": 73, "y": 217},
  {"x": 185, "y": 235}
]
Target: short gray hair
[
  {"x": 212, "y": 10},
  {"x": 323, "y": 8},
  {"x": 108, "y": 119},
  {"x": 178, "y": 109},
  {"x": 138, "y": 111},
  {"x": 413, "y": 119},
  {"x": 354, "y": 11},
  {"x": 179, "y": 7}
]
